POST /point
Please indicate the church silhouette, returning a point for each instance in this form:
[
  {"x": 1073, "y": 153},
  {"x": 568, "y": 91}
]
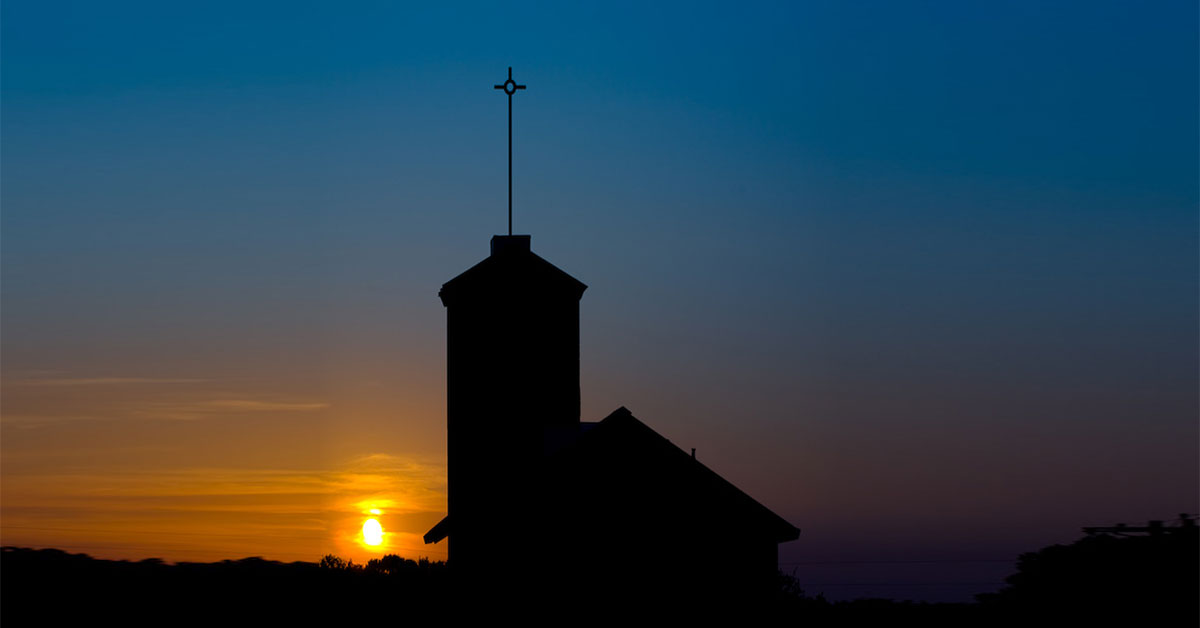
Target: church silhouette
[{"x": 542, "y": 504}]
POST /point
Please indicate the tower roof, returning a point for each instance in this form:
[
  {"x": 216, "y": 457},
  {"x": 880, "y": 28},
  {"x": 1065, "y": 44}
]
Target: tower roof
[{"x": 511, "y": 268}]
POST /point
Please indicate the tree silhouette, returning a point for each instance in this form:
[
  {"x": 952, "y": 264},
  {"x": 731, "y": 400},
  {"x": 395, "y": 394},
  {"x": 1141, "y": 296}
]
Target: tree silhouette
[
  {"x": 329, "y": 561},
  {"x": 1111, "y": 577}
]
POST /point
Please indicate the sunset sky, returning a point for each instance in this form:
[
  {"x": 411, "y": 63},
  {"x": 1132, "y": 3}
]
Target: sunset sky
[{"x": 921, "y": 277}]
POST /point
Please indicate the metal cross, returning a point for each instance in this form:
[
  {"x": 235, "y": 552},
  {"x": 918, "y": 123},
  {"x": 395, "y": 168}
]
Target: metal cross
[{"x": 510, "y": 87}]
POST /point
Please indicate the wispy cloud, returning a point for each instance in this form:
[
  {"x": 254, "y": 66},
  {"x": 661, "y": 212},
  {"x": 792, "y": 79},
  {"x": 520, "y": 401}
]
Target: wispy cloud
[
  {"x": 265, "y": 406},
  {"x": 101, "y": 381},
  {"x": 409, "y": 484},
  {"x": 34, "y": 420},
  {"x": 42, "y": 399},
  {"x": 194, "y": 410}
]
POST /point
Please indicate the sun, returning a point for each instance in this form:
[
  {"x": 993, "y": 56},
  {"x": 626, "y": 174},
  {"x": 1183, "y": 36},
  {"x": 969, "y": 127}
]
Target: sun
[{"x": 372, "y": 532}]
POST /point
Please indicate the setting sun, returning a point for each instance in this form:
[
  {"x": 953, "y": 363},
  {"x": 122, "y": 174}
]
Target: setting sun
[{"x": 372, "y": 532}]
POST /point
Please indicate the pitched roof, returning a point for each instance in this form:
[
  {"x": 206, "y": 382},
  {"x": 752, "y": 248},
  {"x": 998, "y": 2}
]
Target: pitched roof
[
  {"x": 621, "y": 445},
  {"x": 621, "y": 455}
]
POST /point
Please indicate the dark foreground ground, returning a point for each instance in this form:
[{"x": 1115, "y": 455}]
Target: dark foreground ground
[{"x": 1103, "y": 580}]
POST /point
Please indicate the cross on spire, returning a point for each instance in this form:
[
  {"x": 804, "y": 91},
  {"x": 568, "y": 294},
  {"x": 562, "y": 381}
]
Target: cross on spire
[{"x": 510, "y": 87}]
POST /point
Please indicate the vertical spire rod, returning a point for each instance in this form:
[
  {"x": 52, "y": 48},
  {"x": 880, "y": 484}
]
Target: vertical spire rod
[
  {"x": 510, "y": 160},
  {"x": 510, "y": 87}
]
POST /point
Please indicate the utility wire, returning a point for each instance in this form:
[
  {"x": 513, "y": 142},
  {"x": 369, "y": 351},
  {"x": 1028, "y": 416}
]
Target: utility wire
[{"x": 901, "y": 562}]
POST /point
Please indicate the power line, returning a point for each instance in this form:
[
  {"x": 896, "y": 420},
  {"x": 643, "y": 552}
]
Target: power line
[
  {"x": 182, "y": 545},
  {"x": 193, "y": 550},
  {"x": 901, "y": 562},
  {"x": 900, "y": 584}
]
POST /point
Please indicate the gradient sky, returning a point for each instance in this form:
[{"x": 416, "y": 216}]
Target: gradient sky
[{"x": 921, "y": 277}]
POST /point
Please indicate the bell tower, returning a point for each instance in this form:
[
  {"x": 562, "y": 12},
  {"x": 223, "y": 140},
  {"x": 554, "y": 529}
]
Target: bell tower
[{"x": 512, "y": 340}]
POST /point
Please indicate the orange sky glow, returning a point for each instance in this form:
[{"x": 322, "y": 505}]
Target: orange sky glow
[{"x": 132, "y": 468}]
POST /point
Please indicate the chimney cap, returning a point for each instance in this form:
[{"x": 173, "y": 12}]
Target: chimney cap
[
  {"x": 510, "y": 270},
  {"x": 502, "y": 245}
]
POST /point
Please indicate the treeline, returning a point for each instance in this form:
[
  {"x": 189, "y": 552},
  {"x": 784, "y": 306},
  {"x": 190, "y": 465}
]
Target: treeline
[
  {"x": 52, "y": 587},
  {"x": 1100, "y": 580}
]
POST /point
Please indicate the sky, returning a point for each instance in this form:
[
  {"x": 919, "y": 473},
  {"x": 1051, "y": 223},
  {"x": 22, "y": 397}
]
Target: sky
[{"x": 921, "y": 277}]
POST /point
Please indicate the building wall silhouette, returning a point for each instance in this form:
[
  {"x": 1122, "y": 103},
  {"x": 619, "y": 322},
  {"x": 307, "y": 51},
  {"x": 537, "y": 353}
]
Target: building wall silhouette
[{"x": 543, "y": 504}]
